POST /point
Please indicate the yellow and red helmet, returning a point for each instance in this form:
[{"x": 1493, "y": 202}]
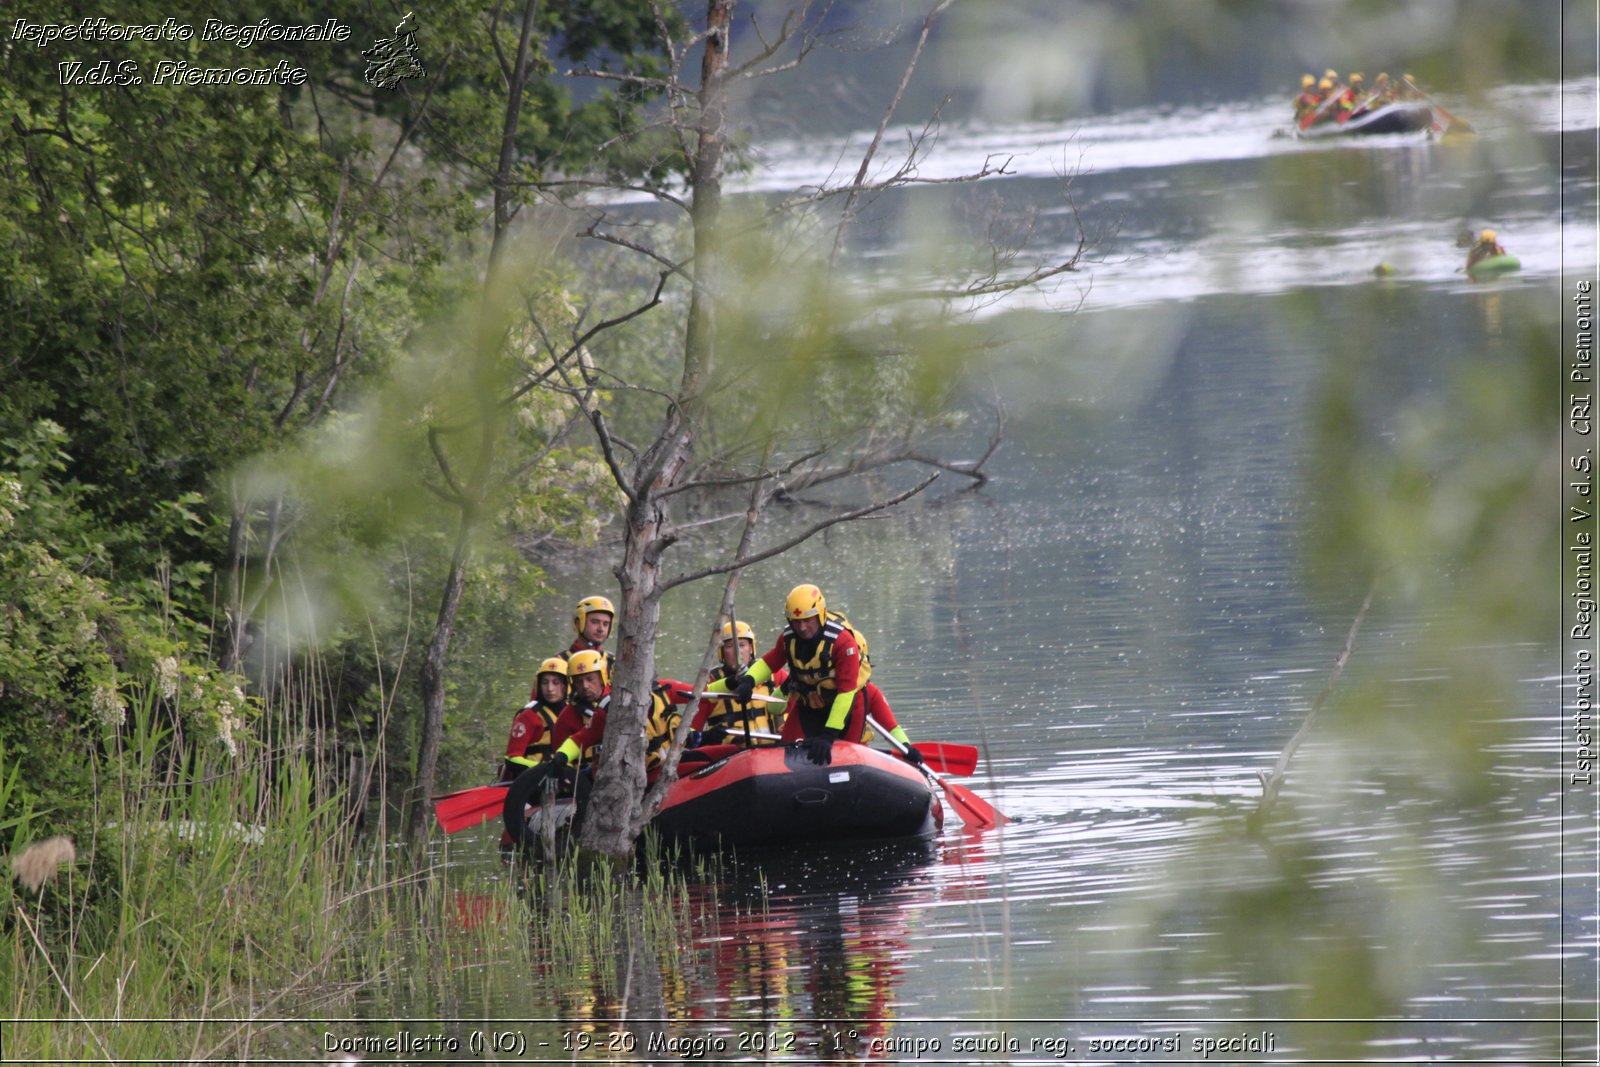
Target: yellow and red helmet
[
  {"x": 588, "y": 606},
  {"x": 554, "y": 665},
  {"x": 738, "y": 629},
  {"x": 589, "y": 661},
  {"x": 804, "y": 602}
]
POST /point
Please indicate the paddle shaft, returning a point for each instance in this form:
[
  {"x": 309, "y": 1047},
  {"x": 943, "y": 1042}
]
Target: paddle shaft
[
  {"x": 943, "y": 756},
  {"x": 1450, "y": 120},
  {"x": 974, "y": 810}
]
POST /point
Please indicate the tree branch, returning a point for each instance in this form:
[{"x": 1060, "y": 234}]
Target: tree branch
[{"x": 800, "y": 538}]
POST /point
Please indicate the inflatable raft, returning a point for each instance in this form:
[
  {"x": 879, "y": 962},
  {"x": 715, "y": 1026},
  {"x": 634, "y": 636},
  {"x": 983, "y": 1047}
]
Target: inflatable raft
[
  {"x": 1405, "y": 116},
  {"x": 1492, "y": 265},
  {"x": 764, "y": 796}
]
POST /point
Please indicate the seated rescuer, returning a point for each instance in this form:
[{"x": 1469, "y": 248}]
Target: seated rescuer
[
  {"x": 582, "y": 725},
  {"x": 1486, "y": 247},
  {"x": 592, "y": 619},
  {"x": 828, "y": 672},
  {"x": 717, "y": 720},
  {"x": 533, "y": 730},
  {"x": 1308, "y": 99}
]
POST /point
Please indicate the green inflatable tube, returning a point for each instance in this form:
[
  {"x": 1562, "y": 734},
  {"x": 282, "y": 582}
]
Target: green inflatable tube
[{"x": 1501, "y": 264}]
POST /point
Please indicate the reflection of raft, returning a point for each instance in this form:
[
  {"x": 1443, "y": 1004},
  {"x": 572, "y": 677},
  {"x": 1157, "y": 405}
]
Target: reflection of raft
[
  {"x": 1504, "y": 263},
  {"x": 1402, "y": 116},
  {"x": 772, "y": 795}
]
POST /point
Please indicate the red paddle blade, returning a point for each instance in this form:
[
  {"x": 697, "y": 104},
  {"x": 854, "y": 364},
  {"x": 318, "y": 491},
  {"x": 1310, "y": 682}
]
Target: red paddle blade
[
  {"x": 469, "y": 808},
  {"x": 975, "y": 811},
  {"x": 947, "y": 758}
]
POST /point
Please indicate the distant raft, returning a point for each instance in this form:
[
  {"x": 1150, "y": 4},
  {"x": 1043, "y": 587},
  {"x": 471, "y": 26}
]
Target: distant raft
[{"x": 1401, "y": 116}]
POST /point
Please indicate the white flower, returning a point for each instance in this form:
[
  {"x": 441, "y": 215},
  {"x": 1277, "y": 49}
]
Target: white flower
[
  {"x": 167, "y": 676},
  {"x": 108, "y": 705},
  {"x": 226, "y": 724}
]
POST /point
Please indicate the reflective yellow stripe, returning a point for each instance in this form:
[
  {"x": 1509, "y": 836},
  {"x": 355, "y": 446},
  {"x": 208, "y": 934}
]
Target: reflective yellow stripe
[{"x": 839, "y": 714}]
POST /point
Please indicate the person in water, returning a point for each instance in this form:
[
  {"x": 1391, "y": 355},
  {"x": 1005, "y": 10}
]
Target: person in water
[{"x": 830, "y": 695}]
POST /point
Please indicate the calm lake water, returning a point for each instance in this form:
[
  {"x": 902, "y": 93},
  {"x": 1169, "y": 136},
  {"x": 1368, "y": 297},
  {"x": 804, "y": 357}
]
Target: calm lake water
[{"x": 1125, "y": 620}]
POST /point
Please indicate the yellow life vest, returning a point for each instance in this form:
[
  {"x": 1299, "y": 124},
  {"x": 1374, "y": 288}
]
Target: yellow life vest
[
  {"x": 664, "y": 716},
  {"x": 729, "y": 714},
  {"x": 815, "y": 673}
]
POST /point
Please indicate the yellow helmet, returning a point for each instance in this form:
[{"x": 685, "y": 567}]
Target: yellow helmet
[
  {"x": 1330, "y": 74},
  {"x": 1355, "y": 79},
  {"x": 589, "y": 661},
  {"x": 1383, "y": 76},
  {"x": 553, "y": 665},
  {"x": 1486, "y": 235},
  {"x": 738, "y": 629},
  {"x": 1325, "y": 84},
  {"x": 588, "y": 606},
  {"x": 1307, "y": 80},
  {"x": 804, "y": 602}
]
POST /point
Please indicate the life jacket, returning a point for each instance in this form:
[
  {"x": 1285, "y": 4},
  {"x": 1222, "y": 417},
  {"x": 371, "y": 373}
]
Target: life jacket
[
  {"x": 815, "y": 672},
  {"x": 729, "y": 714},
  {"x": 658, "y": 727},
  {"x": 540, "y": 750}
]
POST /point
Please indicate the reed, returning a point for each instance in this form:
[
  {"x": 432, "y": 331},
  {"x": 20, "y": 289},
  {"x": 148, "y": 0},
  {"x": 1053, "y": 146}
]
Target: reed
[
  {"x": 210, "y": 889},
  {"x": 230, "y": 899}
]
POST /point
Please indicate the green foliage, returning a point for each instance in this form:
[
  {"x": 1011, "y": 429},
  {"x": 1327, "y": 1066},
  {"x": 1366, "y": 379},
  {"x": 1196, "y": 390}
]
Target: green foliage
[{"x": 76, "y": 646}]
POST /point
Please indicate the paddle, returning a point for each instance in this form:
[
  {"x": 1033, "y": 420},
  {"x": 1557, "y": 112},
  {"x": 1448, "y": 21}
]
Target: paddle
[
  {"x": 1451, "y": 122},
  {"x": 944, "y": 757},
  {"x": 469, "y": 807},
  {"x": 973, "y": 809}
]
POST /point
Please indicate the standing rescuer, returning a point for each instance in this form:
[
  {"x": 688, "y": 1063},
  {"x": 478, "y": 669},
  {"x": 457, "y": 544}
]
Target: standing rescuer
[{"x": 830, "y": 696}]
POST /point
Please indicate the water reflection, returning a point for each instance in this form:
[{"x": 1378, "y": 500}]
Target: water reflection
[{"x": 814, "y": 946}]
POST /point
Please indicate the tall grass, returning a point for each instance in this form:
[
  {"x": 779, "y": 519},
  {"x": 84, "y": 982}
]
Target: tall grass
[{"x": 218, "y": 895}]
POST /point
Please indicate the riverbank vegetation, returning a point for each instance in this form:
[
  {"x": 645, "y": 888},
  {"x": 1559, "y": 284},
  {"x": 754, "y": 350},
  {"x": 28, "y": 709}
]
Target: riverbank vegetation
[{"x": 302, "y": 385}]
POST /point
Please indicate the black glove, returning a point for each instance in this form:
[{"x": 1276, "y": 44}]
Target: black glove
[
  {"x": 714, "y": 736},
  {"x": 912, "y": 756},
  {"x": 819, "y": 747},
  {"x": 744, "y": 687},
  {"x": 695, "y": 739},
  {"x": 558, "y": 761}
]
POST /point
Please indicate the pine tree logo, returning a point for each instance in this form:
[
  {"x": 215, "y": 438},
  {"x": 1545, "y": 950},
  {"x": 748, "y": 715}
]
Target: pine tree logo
[{"x": 395, "y": 59}]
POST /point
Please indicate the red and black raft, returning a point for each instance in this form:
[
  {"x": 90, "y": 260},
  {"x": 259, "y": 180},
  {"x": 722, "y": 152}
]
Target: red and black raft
[{"x": 776, "y": 796}]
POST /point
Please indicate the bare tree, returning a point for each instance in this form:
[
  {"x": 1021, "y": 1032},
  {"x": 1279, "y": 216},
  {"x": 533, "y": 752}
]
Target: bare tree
[{"x": 653, "y": 476}]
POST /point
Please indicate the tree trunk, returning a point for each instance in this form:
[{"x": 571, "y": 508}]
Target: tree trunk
[
  {"x": 616, "y": 810},
  {"x": 431, "y": 682}
]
